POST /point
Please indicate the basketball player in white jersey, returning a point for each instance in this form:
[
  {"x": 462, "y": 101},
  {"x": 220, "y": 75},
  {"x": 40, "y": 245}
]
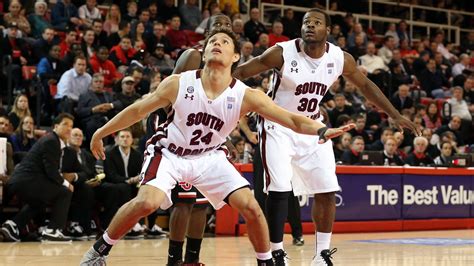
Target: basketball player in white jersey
[
  {"x": 305, "y": 69},
  {"x": 189, "y": 212},
  {"x": 207, "y": 106}
]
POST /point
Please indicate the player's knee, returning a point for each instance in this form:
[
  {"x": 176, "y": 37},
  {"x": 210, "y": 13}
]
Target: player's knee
[
  {"x": 146, "y": 206},
  {"x": 252, "y": 210}
]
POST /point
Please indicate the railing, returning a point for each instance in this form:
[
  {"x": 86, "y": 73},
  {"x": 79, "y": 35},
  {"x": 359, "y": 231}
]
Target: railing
[{"x": 371, "y": 18}]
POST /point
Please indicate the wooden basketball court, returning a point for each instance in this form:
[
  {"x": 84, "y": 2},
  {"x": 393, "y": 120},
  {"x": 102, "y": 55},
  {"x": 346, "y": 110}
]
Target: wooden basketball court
[{"x": 237, "y": 251}]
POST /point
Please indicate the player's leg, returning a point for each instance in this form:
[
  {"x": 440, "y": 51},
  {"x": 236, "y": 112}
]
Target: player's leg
[
  {"x": 294, "y": 218},
  {"x": 224, "y": 184},
  {"x": 183, "y": 197},
  {"x": 149, "y": 199},
  {"x": 276, "y": 158},
  {"x": 315, "y": 173},
  {"x": 195, "y": 230}
]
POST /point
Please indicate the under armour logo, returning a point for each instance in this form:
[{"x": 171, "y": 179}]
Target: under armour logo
[
  {"x": 271, "y": 127},
  {"x": 189, "y": 97},
  {"x": 294, "y": 70}
]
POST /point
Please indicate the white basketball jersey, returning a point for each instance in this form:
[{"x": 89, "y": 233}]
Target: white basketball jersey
[
  {"x": 303, "y": 81},
  {"x": 197, "y": 124}
]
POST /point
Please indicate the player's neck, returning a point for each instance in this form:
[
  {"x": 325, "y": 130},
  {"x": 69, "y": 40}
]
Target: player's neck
[
  {"x": 314, "y": 50},
  {"x": 215, "y": 80}
]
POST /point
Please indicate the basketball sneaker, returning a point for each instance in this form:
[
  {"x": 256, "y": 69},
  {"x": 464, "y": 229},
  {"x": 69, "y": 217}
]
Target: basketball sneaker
[
  {"x": 324, "y": 258},
  {"x": 76, "y": 232},
  {"x": 155, "y": 232},
  {"x": 298, "y": 241},
  {"x": 54, "y": 235},
  {"x": 10, "y": 231},
  {"x": 279, "y": 257},
  {"x": 136, "y": 232},
  {"x": 93, "y": 258}
]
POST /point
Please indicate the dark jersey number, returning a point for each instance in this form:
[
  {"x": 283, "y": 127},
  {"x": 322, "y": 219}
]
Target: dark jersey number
[
  {"x": 198, "y": 139},
  {"x": 307, "y": 105}
]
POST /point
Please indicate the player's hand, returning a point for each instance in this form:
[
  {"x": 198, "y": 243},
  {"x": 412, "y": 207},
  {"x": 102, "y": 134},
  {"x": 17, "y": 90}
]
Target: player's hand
[
  {"x": 403, "y": 122},
  {"x": 330, "y": 133},
  {"x": 253, "y": 137},
  {"x": 97, "y": 147}
]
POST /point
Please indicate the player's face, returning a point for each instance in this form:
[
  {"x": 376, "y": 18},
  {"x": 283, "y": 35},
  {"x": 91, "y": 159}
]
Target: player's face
[
  {"x": 314, "y": 27},
  {"x": 220, "y": 49},
  {"x": 220, "y": 21}
]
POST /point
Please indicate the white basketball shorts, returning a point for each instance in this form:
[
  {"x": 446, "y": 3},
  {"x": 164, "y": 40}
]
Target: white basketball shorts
[
  {"x": 296, "y": 161},
  {"x": 212, "y": 174}
]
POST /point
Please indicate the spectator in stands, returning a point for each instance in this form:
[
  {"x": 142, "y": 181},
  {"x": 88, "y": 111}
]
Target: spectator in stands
[
  {"x": 357, "y": 30},
  {"x": 378, "y": 144},
  {"x": 359, "y": 49},
  {"x": 49, "y": 70},
  {"x": 65, "y": 15},
  {"x": 348, "y": 24},
  {"x": 122, "y": 54},
  {"x": 385, "y": 52},
  {"x": 464, "y": 61},
  {"x": 277, "y": 34},
  {"x": 190, "y": 14},
  {"x": 419, "y": 157},
  {"x": 122, "y": 172},
  {"x": 115, "y": 38},
  {"x": 137, "y": 36},
  {"x": 100, "y": 38},
  {"x": 6, "y": 129},
  {"x": 372, "y": 62},
  {"x": 467, "y": 44},
  {"x": 402, "y": 31},
  {"x": 38, "y": 20},
  {"x": 342, "y": 43},
  {"x": 433, "y": 81},
  {"x": 432, "y": 118},
  {"x": 359, "y": 129},
  {"x": 167, "y": 11},
  {"x": 42, "y": 45},
  {"x": 432, "y": 150},
  {"x": 335, "y": 33},
  {"x": 420, "y": 63},
  {"x": 443, "y": 65},
  {"x": 19, "y": 110},
  {"x": 402, "y": 149},
  {"x": 144, "y": 18},
  {"x": 112, "y": 20},
  {"x": 292, "y": 26},
  {"x": 392, "y": 31},
  {"x": 254, "y": 28},
  {"x": 459, "y": 107},
  {"x": 454, "y": 126},
  {"x": 469, "y": 90},
  {"x": 38, "y": 181},
  {"x": 153, "y": 8},
  {"x": 159, "y": 60},
  {"x": 402, "y": 99},
  {"x": 158, "y": 36},
  {"x": 128, "y": 95},
  {"x": 178, "y": 38},
  {"x": 15, "y": 15},
  {"x": 390, "y": 153},
  {"x": 24, "y": 137},
  {"x": 439, "y": 39},
  {"x": 17, "y": 49},
  {"x": 101, "y": 64},
  {"x": 131, "y": 12},
  {"x": 246, "y": 51},
  {"x": 87, "y": 43},
  {"x": 96, "y": 106},
  {"x": 341, "y": 107},
  {"x": 352, "y": 155},
  {"x": 262, "y": 45},
  {"x": 353, "y": 97},
  {"x": 81, "y": 163},
  {"x": 72, "y": 84},
  {"x": 446, "y": 151},
  {"x": 65, "y": 45},
  {"x": 343, "y": 143},
  {"x": 89, "y": 12},
  {"x": 406, "y": 50},
  {"x": 238, "y": 29}
]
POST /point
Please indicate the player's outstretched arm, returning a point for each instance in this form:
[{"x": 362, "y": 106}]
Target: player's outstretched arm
[
  {"x": 164, "y": 95},
  {"x": 271, "y": 58},
  {"x": 257, "y": 101},
  {"x": 374, "y": 94}
]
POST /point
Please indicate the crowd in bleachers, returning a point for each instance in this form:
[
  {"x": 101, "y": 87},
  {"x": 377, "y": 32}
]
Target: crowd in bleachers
[{"x": 93, "y": 62}]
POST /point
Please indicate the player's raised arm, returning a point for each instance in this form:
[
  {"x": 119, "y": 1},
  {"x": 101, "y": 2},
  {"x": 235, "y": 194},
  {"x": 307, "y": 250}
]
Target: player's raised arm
[
  {"x": 271, "y": 58},
  {"x": 257, "y": 101},
  {"x": 374, "y": 94},
  {"x": 164, "y": 95}
]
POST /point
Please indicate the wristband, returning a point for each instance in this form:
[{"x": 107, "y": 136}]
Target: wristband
[{"x": 321, "y": 132}]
